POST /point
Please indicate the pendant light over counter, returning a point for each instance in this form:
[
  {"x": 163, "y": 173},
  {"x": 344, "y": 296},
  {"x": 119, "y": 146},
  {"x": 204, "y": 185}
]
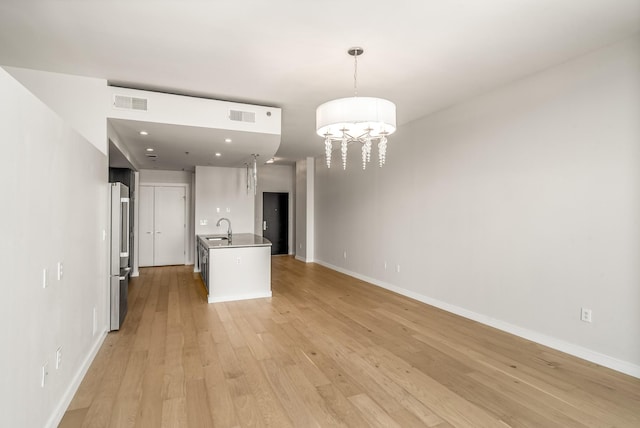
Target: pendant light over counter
[{"x": 356, "y": 119}]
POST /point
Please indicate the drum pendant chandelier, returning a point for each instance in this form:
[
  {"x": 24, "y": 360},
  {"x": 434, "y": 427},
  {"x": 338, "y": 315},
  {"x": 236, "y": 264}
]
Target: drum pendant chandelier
[{"x": 356, "y": 119}]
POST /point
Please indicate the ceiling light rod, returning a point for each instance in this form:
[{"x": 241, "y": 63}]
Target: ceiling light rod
[
  {"x": 356, "y": 119},
  {"x": 252, "y": 174},
  {"x": 355, "y": 53}
]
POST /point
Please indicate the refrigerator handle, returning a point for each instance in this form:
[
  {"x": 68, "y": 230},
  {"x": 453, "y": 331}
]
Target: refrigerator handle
[
  {"x": 124, "y": 212},
  {"x": 126, "y": 270}
]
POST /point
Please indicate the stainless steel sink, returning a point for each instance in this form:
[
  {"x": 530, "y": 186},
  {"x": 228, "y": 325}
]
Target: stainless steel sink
[{"x": 218, "y": 238}]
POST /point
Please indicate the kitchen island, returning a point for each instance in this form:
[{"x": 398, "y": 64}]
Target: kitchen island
[{"x": 236, "y": 267}]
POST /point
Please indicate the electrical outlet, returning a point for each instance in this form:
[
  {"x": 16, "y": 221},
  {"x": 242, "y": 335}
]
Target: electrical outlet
[
  {"x": 344, "y": 255},
  {"x": 238, "y": 260},
  {"x": 398, "y": 268},
  {"x": 58, "y": 357},
  {"x": 585, "y": 315},
  {"x": 45, "y": 374},
  {"x": 45, "y": 278},
  {"x": 60, "y": 270},
  {"x": 204, "y": 222}
]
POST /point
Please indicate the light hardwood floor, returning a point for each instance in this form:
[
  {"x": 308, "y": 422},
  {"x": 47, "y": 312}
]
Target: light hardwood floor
[{"x": 330, "y": 350}]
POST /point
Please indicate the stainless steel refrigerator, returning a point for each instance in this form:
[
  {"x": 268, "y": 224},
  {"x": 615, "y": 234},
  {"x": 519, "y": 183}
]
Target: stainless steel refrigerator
[{"x": 119, "y": 266}]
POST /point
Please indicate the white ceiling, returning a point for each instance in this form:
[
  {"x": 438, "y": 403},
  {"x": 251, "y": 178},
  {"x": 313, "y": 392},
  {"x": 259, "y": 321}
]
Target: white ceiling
[{"x": 424, "y": 55}]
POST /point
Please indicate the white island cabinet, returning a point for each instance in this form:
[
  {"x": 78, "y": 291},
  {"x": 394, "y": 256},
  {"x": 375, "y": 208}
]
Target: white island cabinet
[{"x": 235, "y": 269}]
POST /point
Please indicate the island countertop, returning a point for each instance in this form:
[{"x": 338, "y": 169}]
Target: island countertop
[{"x": 238, "y": 240}]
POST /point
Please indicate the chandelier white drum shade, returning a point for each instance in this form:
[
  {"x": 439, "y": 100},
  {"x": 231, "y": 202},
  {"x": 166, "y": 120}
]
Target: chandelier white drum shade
[
  {"x": 356, "y": 116},
  {"x": 356, "y": 119}
]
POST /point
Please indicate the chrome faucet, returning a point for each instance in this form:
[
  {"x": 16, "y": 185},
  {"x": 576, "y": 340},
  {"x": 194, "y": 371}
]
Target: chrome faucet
[{"x": 228, "y": 229}]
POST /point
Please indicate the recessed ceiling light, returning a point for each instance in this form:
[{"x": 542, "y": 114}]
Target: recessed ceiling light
[
  {"x": 227, "y": 140},
  {"x": 218, "y": 155},
  {"x": 144, "y": 133},
  {"x": 149, "y": 149}
]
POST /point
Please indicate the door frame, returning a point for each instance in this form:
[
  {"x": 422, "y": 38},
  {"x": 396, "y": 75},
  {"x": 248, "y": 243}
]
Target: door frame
[
  {"x": 188, "y": 238},
  {"x": 288, "y": 217}
]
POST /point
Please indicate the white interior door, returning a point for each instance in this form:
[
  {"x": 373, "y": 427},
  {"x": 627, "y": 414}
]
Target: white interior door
[
  {"x": 170, "y": 226},
  {"x": 145, "y": 226}
]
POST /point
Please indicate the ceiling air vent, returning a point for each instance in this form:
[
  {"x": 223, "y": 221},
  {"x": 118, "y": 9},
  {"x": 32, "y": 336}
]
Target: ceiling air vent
[
  {"x": 129, "y": 103},
  {"x": 242, "y": 116}
]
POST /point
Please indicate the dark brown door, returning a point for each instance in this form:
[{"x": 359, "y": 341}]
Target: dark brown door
[{"x": 275, "y": 221}]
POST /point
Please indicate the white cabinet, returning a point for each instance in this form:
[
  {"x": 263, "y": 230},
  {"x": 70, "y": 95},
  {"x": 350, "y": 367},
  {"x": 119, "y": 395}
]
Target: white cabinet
[
  {"x": 239, "y": 273},
  {"x": 162, "y": 214}
]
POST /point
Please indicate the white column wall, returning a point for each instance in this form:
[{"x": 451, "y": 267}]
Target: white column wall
[
  {"x": 301, "y": 210},
  {"x": 54, "y": 210},
  {"x": 305, "y": 202},
  {"x": 516, "y": 208},
  {"x": 310, "y": 211}
]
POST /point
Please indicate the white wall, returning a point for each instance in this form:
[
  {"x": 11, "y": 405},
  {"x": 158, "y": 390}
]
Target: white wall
[
  {"x": 223, "y": 189},
  {"x": 55, "y": 210},
  {"x": 280, "y": 179},
  {"x": 81, "y": 101},
  {"x": 516, "y": 208},
  {"x": 116, "y": 140},
  {"x": 154, "y": 176}
]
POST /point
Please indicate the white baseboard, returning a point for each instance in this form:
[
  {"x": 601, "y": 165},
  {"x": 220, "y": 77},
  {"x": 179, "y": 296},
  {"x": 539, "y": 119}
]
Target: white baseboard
[
  {"x": 65, "y": 400},
  {"x": 248, "y": 296},
  {"x": 543, "y": 339},
  {"x": 304, "y": 260}
]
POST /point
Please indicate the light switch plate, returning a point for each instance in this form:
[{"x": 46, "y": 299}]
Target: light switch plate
[
  {"x": 95, "y": 320},
  {"x": 58, "y": 357},
  {"x": 44, "y": 374}
]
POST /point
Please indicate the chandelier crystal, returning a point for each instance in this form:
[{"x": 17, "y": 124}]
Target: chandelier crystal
[
  {"x": 364, "y": 120},
  {"x": 252, "y": 174}
]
